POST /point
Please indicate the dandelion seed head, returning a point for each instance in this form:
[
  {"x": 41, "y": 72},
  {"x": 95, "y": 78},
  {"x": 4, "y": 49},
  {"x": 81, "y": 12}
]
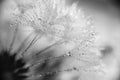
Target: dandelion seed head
[{"x": 71, "y": 30}]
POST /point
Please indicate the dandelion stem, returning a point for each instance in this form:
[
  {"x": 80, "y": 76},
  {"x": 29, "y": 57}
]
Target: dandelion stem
[
  {"x": 43, "y": 50},
  {"x": 13, "y": 39},
  {"x": 35, "y": 39},
  {"x": 23, "y": 43}
]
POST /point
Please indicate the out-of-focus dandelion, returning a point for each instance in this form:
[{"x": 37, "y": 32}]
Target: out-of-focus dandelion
[{"x": 63, "y": 25}]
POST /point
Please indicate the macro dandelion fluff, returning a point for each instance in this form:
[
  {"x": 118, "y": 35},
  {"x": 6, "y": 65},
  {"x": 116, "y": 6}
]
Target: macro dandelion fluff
[{"x": 68, "y": 30}]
